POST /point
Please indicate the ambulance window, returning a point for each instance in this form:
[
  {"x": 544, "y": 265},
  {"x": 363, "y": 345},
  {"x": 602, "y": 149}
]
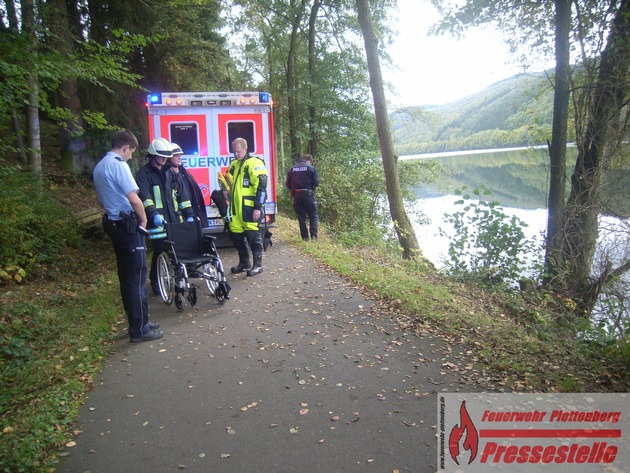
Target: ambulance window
[
  {"x": 186, "y": 136},
  {"x": 242, "y": 130}
]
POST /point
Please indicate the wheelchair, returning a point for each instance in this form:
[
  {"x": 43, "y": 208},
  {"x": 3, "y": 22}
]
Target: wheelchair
[{"x": 190, "y": 254}]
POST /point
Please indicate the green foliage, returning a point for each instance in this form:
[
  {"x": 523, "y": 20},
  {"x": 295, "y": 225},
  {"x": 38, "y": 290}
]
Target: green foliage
[
  {"x": 50, "y": 350},
  {"x": 352, "y": 198},
  {"x": 487, "y": 245},
  {"x": 36, "y": 228}
]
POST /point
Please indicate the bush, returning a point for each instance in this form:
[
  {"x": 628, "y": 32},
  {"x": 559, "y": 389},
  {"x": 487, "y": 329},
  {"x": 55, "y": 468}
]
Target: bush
[
  {"x": 488, "y": 245},
  {"x": 35, "y": 226}
]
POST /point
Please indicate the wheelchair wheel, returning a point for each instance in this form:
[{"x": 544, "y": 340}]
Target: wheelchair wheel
[
  {"x": 165, "y": 276},
  {"x": 179, "y": 302},
  {"x": 211, "y": 276}
]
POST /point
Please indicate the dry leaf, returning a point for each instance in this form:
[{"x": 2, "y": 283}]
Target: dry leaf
[
  {"x": 224, "y": 455},
  {"x": 303, "y": 411},
  {"x": 71, "y": 444}
]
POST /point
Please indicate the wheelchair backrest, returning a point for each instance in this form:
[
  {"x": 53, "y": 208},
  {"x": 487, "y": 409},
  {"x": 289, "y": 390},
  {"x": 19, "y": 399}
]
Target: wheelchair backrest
[{"x": 187, "y": 238}]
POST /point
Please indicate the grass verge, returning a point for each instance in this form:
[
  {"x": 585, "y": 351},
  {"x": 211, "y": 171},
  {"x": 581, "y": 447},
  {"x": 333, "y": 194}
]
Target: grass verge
[
  {"x": 512, "y": 345},
  {"x": 55, "y": 333}
]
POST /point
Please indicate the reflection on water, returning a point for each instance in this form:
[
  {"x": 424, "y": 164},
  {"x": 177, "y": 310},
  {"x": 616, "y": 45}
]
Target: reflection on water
[{"x": 519, "y": 177}]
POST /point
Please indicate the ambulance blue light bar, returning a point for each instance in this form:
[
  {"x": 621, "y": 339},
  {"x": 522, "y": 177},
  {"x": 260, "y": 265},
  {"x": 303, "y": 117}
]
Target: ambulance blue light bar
[{"x": 207, "y": 99}]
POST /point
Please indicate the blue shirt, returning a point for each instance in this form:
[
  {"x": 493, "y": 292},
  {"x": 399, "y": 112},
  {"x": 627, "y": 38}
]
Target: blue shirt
[{"x": 113, "y": 181}]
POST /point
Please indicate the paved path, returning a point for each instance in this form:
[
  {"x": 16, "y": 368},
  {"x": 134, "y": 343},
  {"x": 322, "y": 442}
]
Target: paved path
[{"x": 297, "y": 372}]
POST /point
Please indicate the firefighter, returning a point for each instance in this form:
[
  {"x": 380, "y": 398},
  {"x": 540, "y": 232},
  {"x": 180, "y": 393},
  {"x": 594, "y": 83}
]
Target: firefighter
[
  {"x": 302, "y": 179},
  {"x": 247, "y": 199},
  {"x": 177, "y": 172},
  {"x": 164, "y": 200}
]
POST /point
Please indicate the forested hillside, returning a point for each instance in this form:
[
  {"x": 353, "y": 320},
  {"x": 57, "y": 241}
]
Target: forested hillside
[{"x": 512, "y": 112}]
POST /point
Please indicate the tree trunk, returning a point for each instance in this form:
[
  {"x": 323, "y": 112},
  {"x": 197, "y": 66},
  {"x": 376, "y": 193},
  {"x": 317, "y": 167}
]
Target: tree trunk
[
  {"x": 558, "y": 146},
  {"x": 402, "y": 223},
  {"x": 291, "y": 83},
  {"x": 15, "y": 119},
  {"x": 602, "y": 125},
  {"x": 312, "y": 61},
  {"x": 74, "y": 153},
  {"x": 32, "y": 109}
]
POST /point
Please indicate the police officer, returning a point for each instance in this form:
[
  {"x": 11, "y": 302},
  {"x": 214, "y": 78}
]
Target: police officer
[
  {"x": 164, "y": 199},
  {"x": 302, "y": 179},
  {"x": 124, "y": 214},
  {"x": 247, "y": 197}
]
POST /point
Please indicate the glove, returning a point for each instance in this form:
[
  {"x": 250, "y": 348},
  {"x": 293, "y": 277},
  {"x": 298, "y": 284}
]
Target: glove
[
  {"x": 158, "y": 220},
  {"x": 190, "y": 219}
]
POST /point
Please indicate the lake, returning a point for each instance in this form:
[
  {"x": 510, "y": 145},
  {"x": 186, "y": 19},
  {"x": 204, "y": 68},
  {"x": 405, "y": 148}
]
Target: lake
[{"x": 518, "y": 178}]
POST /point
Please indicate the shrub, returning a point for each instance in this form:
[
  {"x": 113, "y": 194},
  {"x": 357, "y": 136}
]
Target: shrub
[
  {"x": 488, "y": 245},
  {"x": 35, "y": 226}
]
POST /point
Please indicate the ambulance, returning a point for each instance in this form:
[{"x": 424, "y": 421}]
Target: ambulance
[{"x": 204, "y": 124}]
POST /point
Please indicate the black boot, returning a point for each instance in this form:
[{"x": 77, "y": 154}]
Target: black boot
[
  {"x": 242, "y": 266},
  {"x": 257, "y": 268}
]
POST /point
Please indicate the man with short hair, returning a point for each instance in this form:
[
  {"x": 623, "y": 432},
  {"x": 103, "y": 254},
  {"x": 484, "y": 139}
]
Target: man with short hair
[
  {"x": 123, "y": 220},
  {"x": 302, "y": 179},
  {"x": 247, "y": 198}
]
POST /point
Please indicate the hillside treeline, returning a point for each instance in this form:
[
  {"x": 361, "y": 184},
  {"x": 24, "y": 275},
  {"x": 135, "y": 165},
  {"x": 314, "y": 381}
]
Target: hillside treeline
[{"x": 513, "y": 112}]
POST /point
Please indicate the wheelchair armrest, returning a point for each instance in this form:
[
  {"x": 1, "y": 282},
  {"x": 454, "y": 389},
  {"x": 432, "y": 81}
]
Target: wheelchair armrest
[
  {"x": 169, "y": 242},
  {"x": 209, "y": 237}
]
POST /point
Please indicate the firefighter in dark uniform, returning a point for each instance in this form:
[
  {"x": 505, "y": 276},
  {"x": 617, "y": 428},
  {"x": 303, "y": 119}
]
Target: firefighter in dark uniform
[
  {"x": 247, "y": 197},
  {"x": 176, "y": 172},
  {"x": 302, "y": 179},
  {"x": 124, "y": 217},
  {"x": 164, "y": 199}
]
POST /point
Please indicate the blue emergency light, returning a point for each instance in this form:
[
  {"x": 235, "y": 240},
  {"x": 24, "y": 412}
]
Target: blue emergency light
[
  {"x": 155, "y": 98},
  {"x": 263, "y": 97}
]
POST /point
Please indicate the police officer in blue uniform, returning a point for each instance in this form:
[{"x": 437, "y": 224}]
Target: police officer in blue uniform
[
  {"x": 302, "y": 179},
  {"x": 124, "y": 222}
]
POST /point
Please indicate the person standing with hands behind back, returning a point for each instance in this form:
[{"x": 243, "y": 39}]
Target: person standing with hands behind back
[
  {"x": 124, "y": 213},
  {"x": 302, "y": 179}
]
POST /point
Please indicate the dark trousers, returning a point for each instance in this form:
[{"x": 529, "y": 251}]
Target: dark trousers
[
  {"x": 158, "y": 247},
  {"x": 253, "y": 238},
  {"x": 131, "y": 260},
  {"x": 304, "y": 204}
]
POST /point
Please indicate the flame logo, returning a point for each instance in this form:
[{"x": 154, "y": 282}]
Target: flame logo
[{"x": 471, "y": 442}]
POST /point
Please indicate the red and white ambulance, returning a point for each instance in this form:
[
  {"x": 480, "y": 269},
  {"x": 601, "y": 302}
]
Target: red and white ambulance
[{"x": 204, "y": 124}]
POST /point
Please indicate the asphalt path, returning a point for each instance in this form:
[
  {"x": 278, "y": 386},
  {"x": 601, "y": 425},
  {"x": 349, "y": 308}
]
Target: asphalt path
[{"x": 297, "y": 372}]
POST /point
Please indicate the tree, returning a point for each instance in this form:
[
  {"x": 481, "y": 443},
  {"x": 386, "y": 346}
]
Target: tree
[
  {"x": 402, "y": 223},
  {"x": 600, "y": 33},
  {"x": 32, "y": 108}
]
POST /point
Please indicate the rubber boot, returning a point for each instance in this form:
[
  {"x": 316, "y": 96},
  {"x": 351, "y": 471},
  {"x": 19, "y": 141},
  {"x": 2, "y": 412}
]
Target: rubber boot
[
  {"x": 243, "y": 264},
  {"x": 243, "y": 253},
  {"x": 257, "y": 268}
]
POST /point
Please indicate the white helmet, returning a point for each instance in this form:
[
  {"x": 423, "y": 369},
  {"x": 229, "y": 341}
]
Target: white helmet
[
  {"x": 175, "y": 149},
  {"x": 160, "y": 147}
]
